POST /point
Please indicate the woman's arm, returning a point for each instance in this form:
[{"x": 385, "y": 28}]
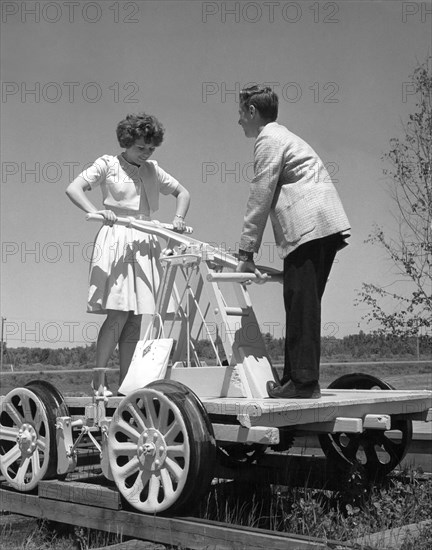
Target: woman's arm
[
  {"x": 76, "y": 192},
  {"x": 182, "y": 206}
]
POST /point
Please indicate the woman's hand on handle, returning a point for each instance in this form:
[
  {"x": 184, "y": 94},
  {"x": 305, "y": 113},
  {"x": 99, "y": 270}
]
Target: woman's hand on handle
[
  {"x": 179, "y": 224},
  {"x": 108, "y": 215}
]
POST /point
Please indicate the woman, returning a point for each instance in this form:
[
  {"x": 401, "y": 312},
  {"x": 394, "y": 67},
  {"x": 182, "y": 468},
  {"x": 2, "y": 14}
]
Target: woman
[{"x": 125, "y": 269}]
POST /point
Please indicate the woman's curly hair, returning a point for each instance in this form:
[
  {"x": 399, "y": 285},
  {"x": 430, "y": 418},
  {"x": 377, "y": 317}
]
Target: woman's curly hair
[{"x": 137, "y": 126}]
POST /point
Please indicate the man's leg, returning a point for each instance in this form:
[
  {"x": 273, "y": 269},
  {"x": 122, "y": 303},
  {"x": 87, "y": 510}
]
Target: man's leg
[{"x": 306, "y": 271}]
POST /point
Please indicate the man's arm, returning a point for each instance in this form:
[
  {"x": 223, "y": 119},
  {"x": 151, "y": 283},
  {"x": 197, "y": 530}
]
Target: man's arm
[{"x": 268, "y": 164}]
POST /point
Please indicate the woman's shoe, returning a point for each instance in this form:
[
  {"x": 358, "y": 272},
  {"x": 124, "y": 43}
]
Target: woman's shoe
[{"x": 106, "y": 391}]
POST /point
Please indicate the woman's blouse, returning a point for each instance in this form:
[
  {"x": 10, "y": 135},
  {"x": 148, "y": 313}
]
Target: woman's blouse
[{"x": 122, "y": 183}]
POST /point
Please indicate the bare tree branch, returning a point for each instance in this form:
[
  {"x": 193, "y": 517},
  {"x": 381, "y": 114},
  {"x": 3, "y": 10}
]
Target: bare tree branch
[{"x": 410, "y": 181}]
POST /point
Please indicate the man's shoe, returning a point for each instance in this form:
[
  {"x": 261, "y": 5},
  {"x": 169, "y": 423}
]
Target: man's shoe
[{"x": 291, "y": 391}]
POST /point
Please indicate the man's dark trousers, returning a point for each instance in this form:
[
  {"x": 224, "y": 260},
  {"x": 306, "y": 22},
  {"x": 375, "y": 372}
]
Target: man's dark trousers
[{"x": 306, "y": 271}]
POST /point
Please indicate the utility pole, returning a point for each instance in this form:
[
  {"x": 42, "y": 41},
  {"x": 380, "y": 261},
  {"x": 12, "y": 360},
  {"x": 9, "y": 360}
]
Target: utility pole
[
  {"x": 418, "y": 343},
  {"x": 3, "y": 319}
]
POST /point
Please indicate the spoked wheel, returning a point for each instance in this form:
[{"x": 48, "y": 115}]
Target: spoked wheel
[
  {"x": 379, "y": 452},
  {"x": 162, "y": 448},
  {"x": 51, "y": 393},
  {"x": 28, "y": 436}
]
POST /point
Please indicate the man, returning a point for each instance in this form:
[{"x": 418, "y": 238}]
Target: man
[{"x": 292, "y": 186}]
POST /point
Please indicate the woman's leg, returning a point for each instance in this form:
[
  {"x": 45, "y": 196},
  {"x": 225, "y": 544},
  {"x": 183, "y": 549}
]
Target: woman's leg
[
  {"x": 128, "y": 341},
  {"x": 109, "y": 336}
]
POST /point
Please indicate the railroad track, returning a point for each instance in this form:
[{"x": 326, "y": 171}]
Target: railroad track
[
  {"x": 89, "y": 500},
  {"x": 75, "y": 503},
  {"x": 89, "y": 504}
]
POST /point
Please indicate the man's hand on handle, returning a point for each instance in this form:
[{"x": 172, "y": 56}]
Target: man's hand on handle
[{"x": 248, "y": 266}]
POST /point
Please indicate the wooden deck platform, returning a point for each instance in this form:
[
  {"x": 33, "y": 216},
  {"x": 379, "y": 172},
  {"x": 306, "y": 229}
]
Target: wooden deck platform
[
  {"x": 336, "y": 410},
  {"x": 333, "y": 404}
]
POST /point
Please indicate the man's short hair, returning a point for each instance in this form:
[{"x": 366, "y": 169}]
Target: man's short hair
[{"x": 263, "y": 98}]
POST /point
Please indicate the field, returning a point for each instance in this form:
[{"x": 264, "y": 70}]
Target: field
[
  {"x": 407, "y": 374},
  {"x": 399, "y": 374}
]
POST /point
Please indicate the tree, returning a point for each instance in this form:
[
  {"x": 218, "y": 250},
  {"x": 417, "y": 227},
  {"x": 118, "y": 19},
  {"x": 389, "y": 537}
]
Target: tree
[{"x": 398, "y": 311}]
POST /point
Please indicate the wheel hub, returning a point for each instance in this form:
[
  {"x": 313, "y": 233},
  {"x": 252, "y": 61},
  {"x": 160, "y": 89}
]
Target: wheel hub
[
  {"x": 27, "y": 439},
  {"x": 151, "y": 449}
]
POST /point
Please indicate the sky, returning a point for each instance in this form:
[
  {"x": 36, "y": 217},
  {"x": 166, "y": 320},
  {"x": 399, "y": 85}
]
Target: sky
[{"x": 71, "y": 71}]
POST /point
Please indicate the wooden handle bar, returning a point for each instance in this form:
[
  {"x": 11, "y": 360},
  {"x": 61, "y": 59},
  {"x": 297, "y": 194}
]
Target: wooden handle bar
[
  {"x": 243, "y": 278},
  {"x": 179, "y": 238},
  {"x": 164, "y": 231},
  {"x": 132, "y": 221}
]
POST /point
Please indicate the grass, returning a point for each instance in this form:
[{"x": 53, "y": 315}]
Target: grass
[
  {"x": 421, "y": 542},
  {"x": 355, "y": 511},
  {"x": 30, "y": 534}
]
